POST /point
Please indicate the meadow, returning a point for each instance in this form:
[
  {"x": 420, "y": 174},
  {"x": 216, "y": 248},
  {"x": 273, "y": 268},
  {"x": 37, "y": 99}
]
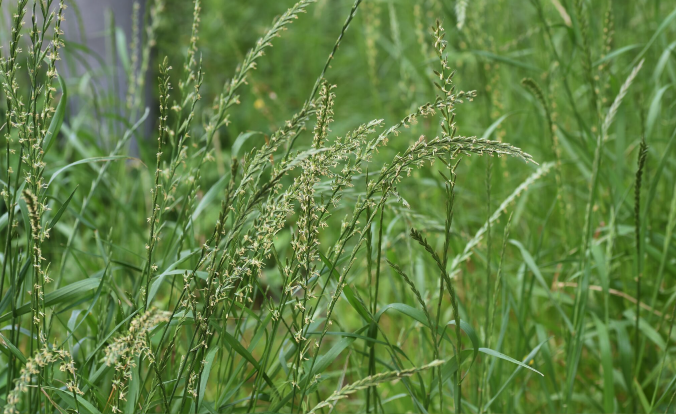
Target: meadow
[{"x": 339, "y": 206}]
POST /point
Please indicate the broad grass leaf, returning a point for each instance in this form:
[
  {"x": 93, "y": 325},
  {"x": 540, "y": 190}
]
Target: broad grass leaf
[
  {"x": 216, "y": 190},
  {"x": 356, "y": 303},
  {"x": 654, "y": 111},
  {"x": 121, "y": 46},
  {"x": 241, "y": 139},
  {"x": 500, "y": 355},
  {"x": 133, "y": 389},
  {"x": 646, "y": 329},
  {"x": 61, "y": 210},
  {"x": 7, "y": 347},
  {"x": 607, "y": 364},
  {"x": 615, "y": 53},
  {"x": 81, "y": 402},
  {"x": 407, "y": 310},
  {"x": 208, "y": 364},
  {"x": 473, "y": 337},
  {"x": 65, "y": 294}
]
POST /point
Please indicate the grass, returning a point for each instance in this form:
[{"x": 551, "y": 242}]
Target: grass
[{"x": 421, "y": 206}]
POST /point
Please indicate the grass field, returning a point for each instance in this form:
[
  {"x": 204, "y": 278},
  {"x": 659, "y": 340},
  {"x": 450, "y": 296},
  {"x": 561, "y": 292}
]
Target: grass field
[{"x": 390, "y": 206}]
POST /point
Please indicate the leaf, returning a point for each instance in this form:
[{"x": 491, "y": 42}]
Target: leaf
[
  {"x": 641, "y": 396},
  {"x": 234, "y": 384},
  {"x": 449, "y": 368},
  {"x": 500, "y": 355},
  {"x": 607, "y": 364},
  {"x": 214, "y": 191},
  {"x": 356, "y": 304},
  {"x": 208, "y": 363},
  {"x": 9, "y": 295},
  {"x": 133, "y": 388},
  {"x": 657, "y": 173},
  {"x": 325, "y": 360},
  {"x": 241, "y": 139},
  {"x": 68, "y": 397},
  {"x": 664, "y": 59},
  {"x": 506, "y": 60},
  {"x": 64, "y": 294},
  {"x": 88, "y": 160},
  {"x": 471, "y": 333},
  {"x": 495, "y": 125},
  {"x": 615, "y": 53},
  {"x": 660, "y": 29},
  {"x": 530, "y": 262},
  {"x": 171, "y": 270},
  {"x": 107, "y": 338},
  {"x": 121, "y": 46},
  {"x": 667, "y": 392},
  {"x": 12, "y": 349},
  {"x": 625, "y": 350},
  {"x": 646, "y": 329},
  {"x": 511, "y": 377},
  {"x": 4, "y": 219},
  {"x": 321, "y": 364},
  {"x": 57, "y": 120},
  {"x": 349, "y": 335},
  {"x": 328, "y": 265},
  {"x": 93, "y": 303},
  {"x": 414, "y": 313},
  {"x": 74, "y": 315},
  {"x": 61, "y": 210},
  {"x": 237, "y": 347},
  {"x": 654, "y": 111},
  {"x": 74, "y": 290}
]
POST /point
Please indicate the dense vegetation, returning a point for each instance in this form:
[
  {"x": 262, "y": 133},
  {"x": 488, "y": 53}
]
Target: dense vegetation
[{"x": 417, "y": 206}]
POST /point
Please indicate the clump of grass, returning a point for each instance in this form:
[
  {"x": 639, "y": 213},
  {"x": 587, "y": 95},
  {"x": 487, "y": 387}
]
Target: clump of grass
[{"x": 260, "y": 254}]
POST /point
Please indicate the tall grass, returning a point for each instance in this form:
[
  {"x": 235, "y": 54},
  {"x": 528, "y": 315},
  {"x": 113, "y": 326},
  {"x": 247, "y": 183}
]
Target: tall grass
[{"x": 318, "y": 234}]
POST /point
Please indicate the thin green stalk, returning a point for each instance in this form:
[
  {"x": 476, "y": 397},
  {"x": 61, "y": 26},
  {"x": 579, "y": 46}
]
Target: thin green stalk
[
  {"x": 487, "y": 320},
  {"x": 369, "y": 265},
  {"x": 375, "y": 295}
]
